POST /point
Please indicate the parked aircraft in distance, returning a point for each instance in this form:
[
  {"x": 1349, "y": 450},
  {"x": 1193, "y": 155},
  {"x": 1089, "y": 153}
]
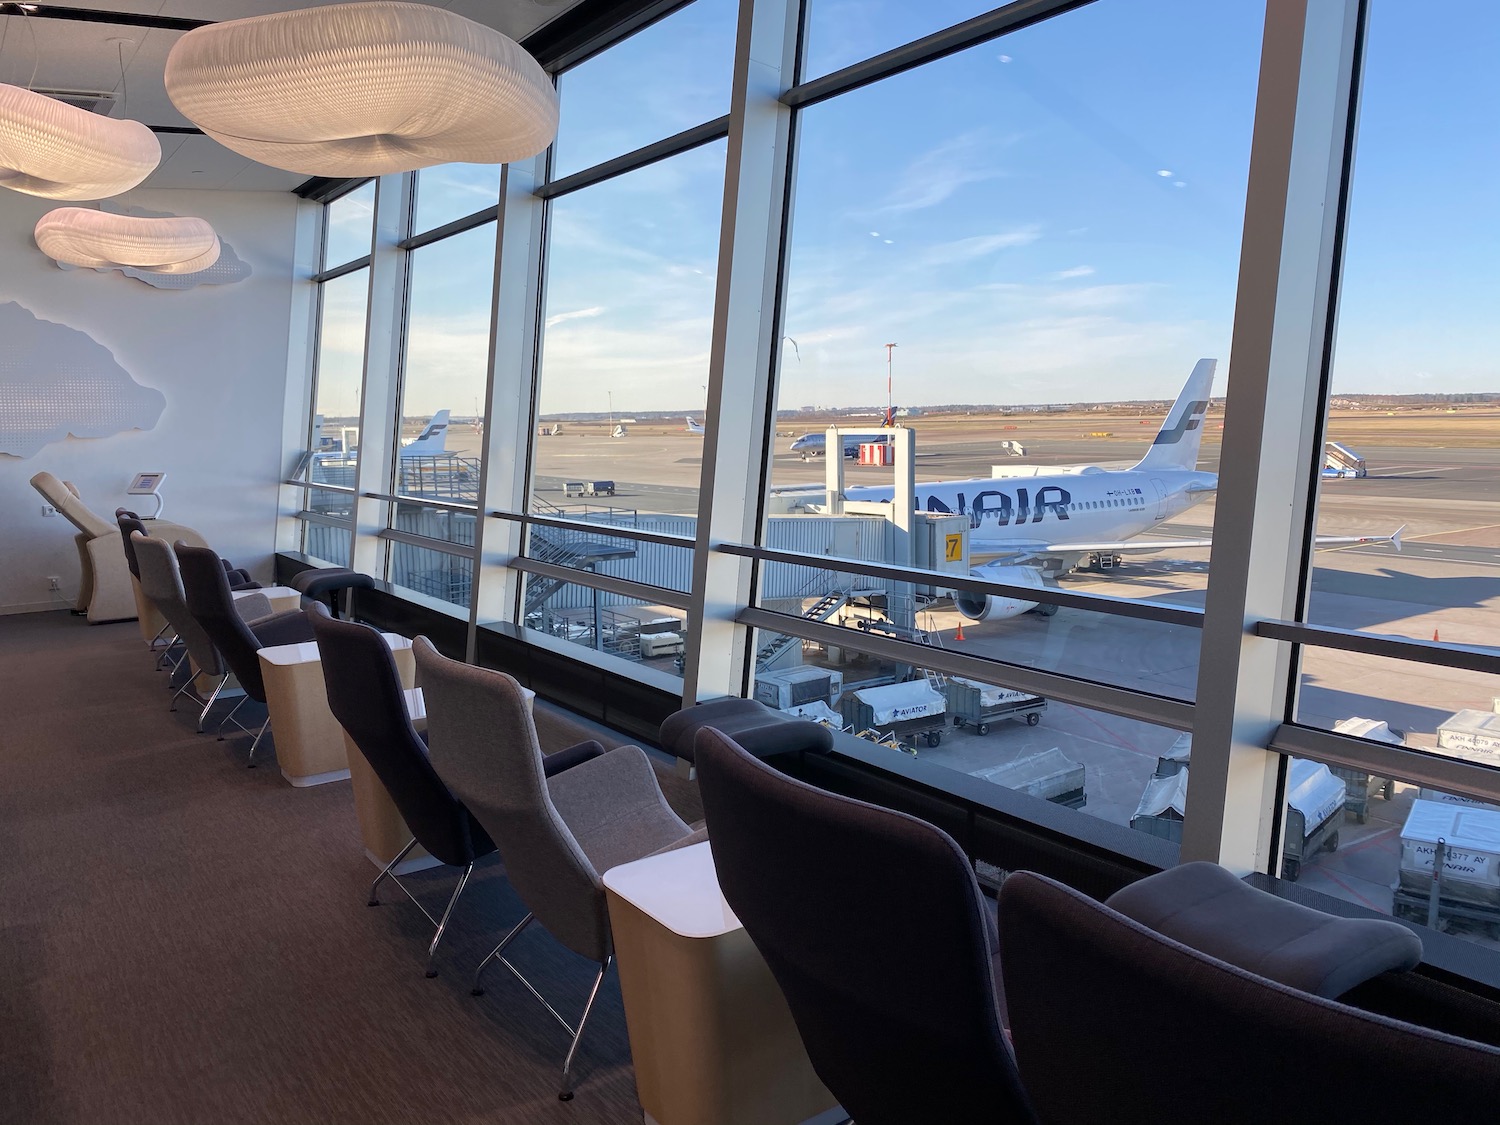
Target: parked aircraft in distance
[
  {"x": 432, "y": 441},
  {"x": 815, "y": 444},
  {"x": 695, "y": 427},
  {"x": 1039, "y": 527}
]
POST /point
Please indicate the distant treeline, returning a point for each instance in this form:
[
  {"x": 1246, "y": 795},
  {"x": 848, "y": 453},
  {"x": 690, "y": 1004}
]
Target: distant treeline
[{"x": 1467, "y": 399}]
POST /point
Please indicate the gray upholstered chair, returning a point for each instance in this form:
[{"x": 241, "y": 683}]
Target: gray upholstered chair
[
  {"x": 161, "y": 582},
  {"x": 1115, "y": 1022},
  {"x": 556, "y": 835}
]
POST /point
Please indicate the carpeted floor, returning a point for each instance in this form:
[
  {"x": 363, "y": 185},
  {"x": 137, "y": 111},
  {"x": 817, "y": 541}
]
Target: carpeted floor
[{"x": 186, "y": 940}]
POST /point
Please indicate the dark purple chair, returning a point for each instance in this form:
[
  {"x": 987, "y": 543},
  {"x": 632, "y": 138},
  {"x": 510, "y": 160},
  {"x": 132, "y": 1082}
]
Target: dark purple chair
[{"x": 875, "y": 929}]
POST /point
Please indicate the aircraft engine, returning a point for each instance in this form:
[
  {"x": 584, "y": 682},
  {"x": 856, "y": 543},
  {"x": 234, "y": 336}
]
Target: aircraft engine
[{"x": 997, "y": 607}]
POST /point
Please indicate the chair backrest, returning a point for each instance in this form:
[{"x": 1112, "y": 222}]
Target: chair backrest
[
  {"x": 364, "y": 694},
  {"x": 871, "y": 922},
  {"x": 484, "y": 745},
  {"x": 1114, "y": 1022},
  {"x": 161, "y": 582},
  {"x": 65, "y": 500},
  {"x": 206, "y": 592},
  {"x": 130, "y": 523}
]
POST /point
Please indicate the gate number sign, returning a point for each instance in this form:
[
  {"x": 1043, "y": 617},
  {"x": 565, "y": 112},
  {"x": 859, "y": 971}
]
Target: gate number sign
[{"x": 953, "y": 549}]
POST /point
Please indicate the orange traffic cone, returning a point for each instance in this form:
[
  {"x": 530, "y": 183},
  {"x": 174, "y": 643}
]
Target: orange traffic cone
[
  {"x": 1434, "y": 634},
  {"x": 958, "y": 636}
]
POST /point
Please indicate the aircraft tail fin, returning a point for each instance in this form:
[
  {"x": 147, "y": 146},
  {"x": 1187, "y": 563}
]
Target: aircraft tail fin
[
  {"x": 432, "y": 441},
  {"x": 1176, "y": 444}
]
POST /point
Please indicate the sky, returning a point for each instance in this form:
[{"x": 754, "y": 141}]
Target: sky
[{"x": 1053, "y": 216}]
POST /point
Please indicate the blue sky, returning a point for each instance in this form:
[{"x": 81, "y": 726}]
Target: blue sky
[{"x": 1052, "y": 216}]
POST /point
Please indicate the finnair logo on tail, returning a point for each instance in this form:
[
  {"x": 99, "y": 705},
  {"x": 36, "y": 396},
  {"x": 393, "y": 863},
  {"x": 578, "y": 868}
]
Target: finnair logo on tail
[{"x": 1191, "y": 419}]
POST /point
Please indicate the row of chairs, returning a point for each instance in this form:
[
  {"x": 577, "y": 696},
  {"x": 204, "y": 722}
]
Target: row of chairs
[
  {"x": 1187, "y": 996},
  {"x": 476, "y": 781}
]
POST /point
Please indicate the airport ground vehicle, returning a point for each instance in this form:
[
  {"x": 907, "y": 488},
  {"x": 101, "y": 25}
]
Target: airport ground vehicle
[
  {"x": 1314, "y": 813},
  {"x": 913, "y": 711},
  {"x": 575, "y": 488},
  {"x": 1050, "y": 775},
  {"x": 971, "y": 702}
]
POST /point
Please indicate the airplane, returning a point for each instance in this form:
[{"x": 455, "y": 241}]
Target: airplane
[
  {"x": 815, "y": 444},
  {"x": 695, "y": 427},
  {"x": 432, "y": 441},
  {"x": 1043, "y": 526}
]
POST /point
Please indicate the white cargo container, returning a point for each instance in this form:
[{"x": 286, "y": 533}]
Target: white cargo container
[
  {"x": 1362, "y": 785},
  {"x": 1471, "y": 866},
  {"x": 1474, "y": 735},
  {"x": 1314, "y": 811},
  {"x": 785, "y": 688}
]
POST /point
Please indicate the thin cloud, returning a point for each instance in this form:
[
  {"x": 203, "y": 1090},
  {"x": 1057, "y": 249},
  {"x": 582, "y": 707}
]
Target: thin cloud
[
  {"x": 979, "y": 246},
  {"x": 576, "y": 314},
  {"x": 1076, "y": 271}
]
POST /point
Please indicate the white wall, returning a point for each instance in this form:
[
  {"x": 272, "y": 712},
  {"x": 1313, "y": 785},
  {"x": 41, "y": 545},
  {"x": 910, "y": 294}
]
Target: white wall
[{"x": 219, "y": 355}]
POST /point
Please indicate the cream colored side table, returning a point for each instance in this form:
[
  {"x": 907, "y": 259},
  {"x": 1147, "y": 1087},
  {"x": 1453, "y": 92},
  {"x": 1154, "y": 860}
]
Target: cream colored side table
[
  {"x": 309, "y": 740},
  {"x": 381, "y": 826},
  {"x": 282, "y": 598},
  {"x": 711, "y": 1038}
]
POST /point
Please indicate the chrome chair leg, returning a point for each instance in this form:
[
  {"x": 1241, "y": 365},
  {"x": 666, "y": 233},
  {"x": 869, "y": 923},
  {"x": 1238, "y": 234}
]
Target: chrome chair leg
[
  {"x": 448, "y": 913},
  {"x": 566, "y": 1093},
  {"x": 230, "y": 718},
  {"x": 203, "y": 716},
  {"x": 250, "y": 765},
  {"x": 387, "y": 869},
  {"x": 498, "y": 952}
]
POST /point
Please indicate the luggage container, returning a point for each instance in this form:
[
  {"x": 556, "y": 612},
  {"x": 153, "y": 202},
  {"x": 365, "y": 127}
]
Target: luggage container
[
  {"x": 1472, "y": 735},
  {"x": 1362, "y": 786},
  {"x": 913, "y": 711},
  {"x": 970, "y": 701},
  {"x": 1177, "y": 757},
  {"x": 1050, "y": 775},
  {"x": 1163, "y": 805},
  {"x": 784, "y": 688},
  {"x": 1314, "y": 812},
  {"x": 1468, "y": 882}
]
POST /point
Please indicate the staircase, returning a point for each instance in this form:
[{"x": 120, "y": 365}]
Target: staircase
[
  {"x": 569, "y": 549},
  {"x": 826, "y": 605}
]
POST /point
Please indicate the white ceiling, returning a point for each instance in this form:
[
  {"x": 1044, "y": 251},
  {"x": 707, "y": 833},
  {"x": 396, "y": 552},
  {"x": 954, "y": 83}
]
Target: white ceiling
[{"x": 76, "y": 55}]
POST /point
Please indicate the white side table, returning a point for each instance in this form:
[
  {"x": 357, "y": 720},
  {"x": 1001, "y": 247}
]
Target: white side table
[
  {"x": 309, "y": 740},
  {"x": 710, "y": 1034}
]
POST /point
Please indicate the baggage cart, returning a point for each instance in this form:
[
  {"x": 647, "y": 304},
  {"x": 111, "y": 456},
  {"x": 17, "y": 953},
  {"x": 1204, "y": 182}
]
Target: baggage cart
[
  {"x": 1163, "y": 804},
  {"x": 972, "y": 702},
  {"x": 1314, "y": 812},
  {"x": 912, "y": 712},
  {"x": 1050, "y": 775},
  {"x": 1467, "y": 882},
  {"x": 1362, "y": 786}
]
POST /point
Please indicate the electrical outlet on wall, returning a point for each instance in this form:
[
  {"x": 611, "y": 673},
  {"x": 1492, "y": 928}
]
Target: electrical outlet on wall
[
  {"x": 54, "y": 582},
  {"x": 48, "y": 510}
]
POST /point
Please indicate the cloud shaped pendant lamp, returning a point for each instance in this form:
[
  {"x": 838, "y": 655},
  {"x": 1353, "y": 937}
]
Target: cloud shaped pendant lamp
[
  {"x": 78, "y": 236},
  {"x": 363, "y": 90},
  {"x": 58, "y": 151}
]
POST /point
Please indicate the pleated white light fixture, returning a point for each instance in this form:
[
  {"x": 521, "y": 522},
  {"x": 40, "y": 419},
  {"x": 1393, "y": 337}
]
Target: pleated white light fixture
[
  {"x": 58, "y": 151},
  {"x": 363, "y": 89},
  {"x": 79, "y": 236}
]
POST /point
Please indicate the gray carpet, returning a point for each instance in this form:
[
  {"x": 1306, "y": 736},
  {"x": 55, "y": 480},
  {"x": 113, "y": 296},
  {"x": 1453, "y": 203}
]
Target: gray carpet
[{"x": 186, "y": 940}]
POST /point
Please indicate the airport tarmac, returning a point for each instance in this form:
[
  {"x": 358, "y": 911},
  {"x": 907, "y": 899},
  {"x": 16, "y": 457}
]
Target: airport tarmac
[{"x": 1436, "y": 475}]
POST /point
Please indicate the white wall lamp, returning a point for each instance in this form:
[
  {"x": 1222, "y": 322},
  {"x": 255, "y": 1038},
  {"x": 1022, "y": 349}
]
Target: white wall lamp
[
  {"x": 363, "y": 89},
  {"x": 58, "y": 151},
  {"x": 78, "y": 236}
]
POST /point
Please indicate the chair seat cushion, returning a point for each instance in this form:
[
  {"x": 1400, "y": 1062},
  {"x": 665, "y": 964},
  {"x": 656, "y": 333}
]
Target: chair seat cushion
[
  {"x": 753, "y": 725},
  {"x": 1207, "y": 908}
]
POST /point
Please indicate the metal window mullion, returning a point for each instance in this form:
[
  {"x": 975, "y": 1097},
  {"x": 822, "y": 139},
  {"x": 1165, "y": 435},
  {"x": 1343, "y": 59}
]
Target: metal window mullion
[
  {"x": 678, "y": 143},
  {"x": 1096, "y": 696},
  {"x": 1280, "y": 326},
  {"x": 380, "y": 395},
  {"x": 306, "y": 516},
  {"x": 427, "y": 542},
  {"x": 339, "y": 271},
  {"x": 677, "y": 599},
  {"x": 1468, "y": 658},
  {"x": 1418, "y": 767},
  {"x": 300, "y": 400},
  {"x": 510, "y": 390},
  {"x": 423, "y": 502},
  {"x": 940, "y": 44},
  {"x": 609, "y": 531},
  {"x": 447, "y": 230}
]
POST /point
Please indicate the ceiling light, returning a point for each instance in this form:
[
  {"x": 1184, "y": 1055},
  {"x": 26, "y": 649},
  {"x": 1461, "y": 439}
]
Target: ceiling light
[
  {"x": 58, "y": 151},
  {"x": 363, "y": 90},
  {"x": 79, "y": 236}
]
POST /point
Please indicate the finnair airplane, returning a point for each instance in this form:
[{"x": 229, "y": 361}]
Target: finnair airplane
[
  {"x": 814, "y": 445},
  {"x": 695, "y": 427},
  {"x": 1039, "y": 527},
  {"x": 432, "y": 441}
]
